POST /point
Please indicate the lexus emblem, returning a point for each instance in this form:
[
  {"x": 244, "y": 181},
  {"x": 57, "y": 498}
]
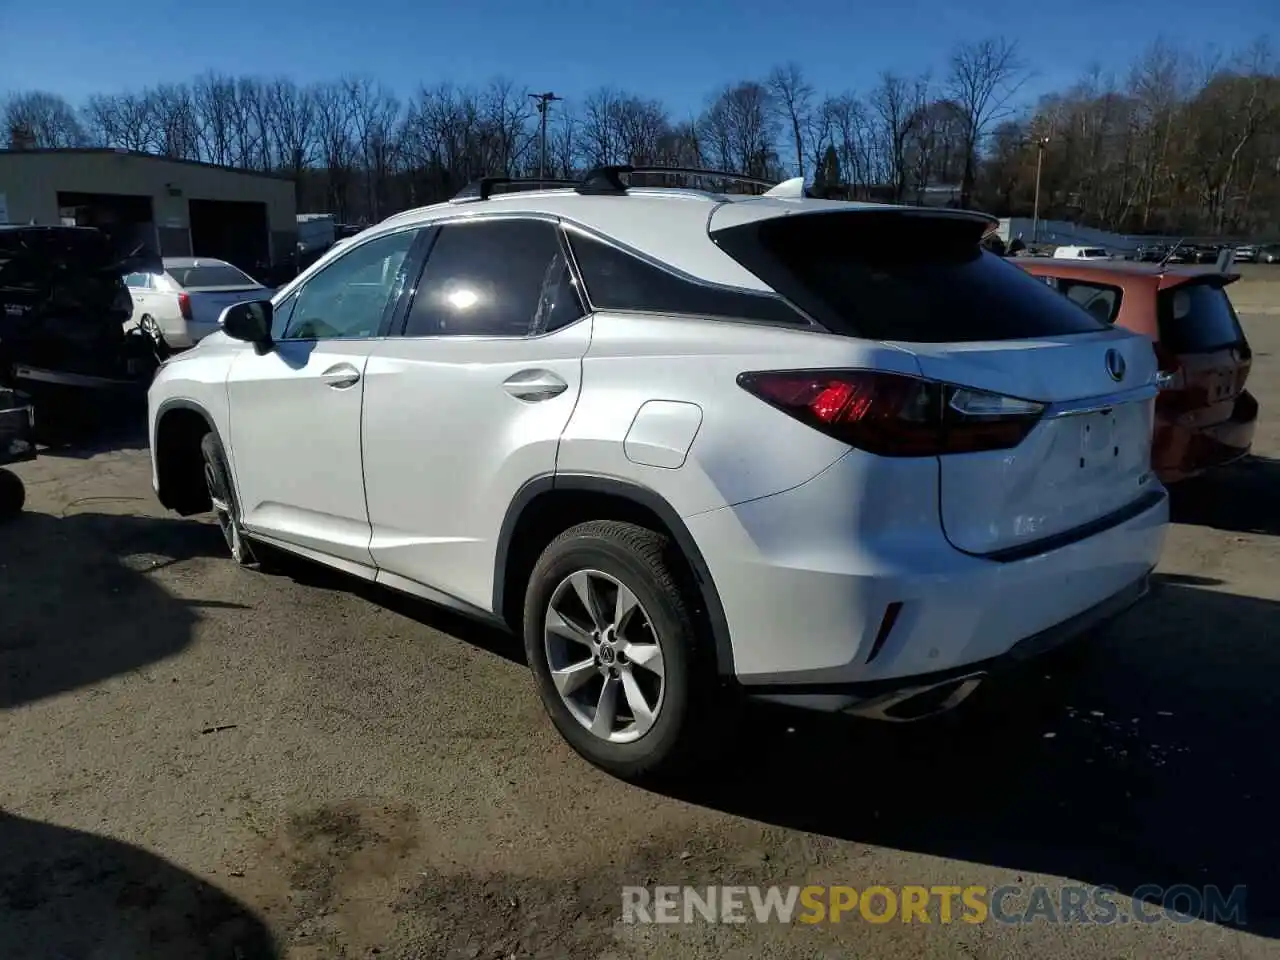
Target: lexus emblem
[{"x": 1115, "y": 365}]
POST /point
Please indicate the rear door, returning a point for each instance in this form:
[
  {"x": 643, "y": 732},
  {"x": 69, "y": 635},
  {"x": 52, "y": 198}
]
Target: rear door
[
  {"x": 467, "y": 400},
  {"x": 920, "y": 281},
  {"x": 1204, "y": 347}
]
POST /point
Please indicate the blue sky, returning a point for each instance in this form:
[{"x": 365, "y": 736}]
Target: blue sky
[{"x": 675, "y": 51}]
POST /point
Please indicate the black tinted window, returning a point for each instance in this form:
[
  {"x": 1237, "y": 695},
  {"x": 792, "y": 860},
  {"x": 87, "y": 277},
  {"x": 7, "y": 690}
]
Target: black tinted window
[
  {"x": 892, "y": 276},
  {"x": 497, "y": 278},
  {"x": 616, "y": 280},
  {"x": 1198, "y": 318}
]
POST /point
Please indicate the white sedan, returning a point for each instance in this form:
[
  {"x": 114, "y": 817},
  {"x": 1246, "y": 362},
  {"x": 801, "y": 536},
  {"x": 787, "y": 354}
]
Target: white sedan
[{"x": 182, "y": 305}]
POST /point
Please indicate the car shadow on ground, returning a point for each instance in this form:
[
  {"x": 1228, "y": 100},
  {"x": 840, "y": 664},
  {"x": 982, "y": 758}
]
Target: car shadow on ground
[
  {"x": 1243, "y": 498},
  {"x": 1143, "y": 758},
  {"x": 76, "y": 606},
  {"x": 64, "y": 893},
  {"x": 492, "y": 639}
]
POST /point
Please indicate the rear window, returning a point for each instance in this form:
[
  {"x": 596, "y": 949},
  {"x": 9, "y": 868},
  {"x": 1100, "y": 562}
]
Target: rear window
[
  {"x": 895, "y": 276},
  {"x": 223, "y": 275},
  {"x": 1198, "y": 318}
]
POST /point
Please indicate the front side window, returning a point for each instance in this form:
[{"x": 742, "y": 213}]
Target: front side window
[
  {"x": 349, "y": 297},
  {"x": 494, "y": 278}
]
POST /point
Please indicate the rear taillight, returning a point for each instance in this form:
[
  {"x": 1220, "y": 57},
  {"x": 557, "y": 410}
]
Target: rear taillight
[
  {"x": 895, "y": 415},
  {"x": 184, "y": 305}
]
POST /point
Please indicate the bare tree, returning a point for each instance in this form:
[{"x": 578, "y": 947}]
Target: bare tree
[
  {"x": 985, "y": 76},
  {"x": 897, "y": 103},
  {"x": 792, "y": 103},
  {"x": 373, "y": 114},
  {"x": 1181, "y": 144},
  {"x": 39, "y": 119},
  {"x": 598, "y": 122},
  {"x": 737, "y": 130}
]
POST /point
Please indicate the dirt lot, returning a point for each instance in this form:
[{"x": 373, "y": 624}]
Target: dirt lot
[{"x": 197, "y": 760}]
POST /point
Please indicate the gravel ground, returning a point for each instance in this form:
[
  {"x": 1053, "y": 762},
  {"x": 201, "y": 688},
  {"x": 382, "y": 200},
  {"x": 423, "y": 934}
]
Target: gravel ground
[{"x": 197, "y": 760}]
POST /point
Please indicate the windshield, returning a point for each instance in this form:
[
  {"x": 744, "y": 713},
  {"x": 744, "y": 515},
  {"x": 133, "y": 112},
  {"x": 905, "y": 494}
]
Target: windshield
[{"x": 218, "y": 275}]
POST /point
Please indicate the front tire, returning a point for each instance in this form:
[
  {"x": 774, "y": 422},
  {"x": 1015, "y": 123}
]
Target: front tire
[
  {"x": 222, "y": 499},
  {"x": 616, "y": 654}
]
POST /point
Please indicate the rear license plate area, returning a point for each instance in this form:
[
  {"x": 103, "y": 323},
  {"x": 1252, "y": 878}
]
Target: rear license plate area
[{"x": 1099, "y": 449}]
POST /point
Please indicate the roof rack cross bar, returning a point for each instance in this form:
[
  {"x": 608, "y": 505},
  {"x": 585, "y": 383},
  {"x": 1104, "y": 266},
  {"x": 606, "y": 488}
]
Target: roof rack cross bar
[
  {"x": 483, "y": 188},
  {"x": 607, "y": 180}
]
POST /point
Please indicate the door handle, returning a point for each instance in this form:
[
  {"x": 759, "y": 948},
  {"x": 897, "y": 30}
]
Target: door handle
[
  {"x": 341, "y": 376},
  {"x": 534, "y": 385}
]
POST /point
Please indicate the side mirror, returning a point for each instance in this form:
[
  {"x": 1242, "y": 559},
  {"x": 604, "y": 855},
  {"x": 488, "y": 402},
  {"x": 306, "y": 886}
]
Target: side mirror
[{"x": 249, "y": 321}]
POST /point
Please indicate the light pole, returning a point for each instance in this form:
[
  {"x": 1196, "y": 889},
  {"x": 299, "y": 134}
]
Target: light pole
[
  {"x": 1041, "y": 143},
  {"x": 544, "y": 101}
]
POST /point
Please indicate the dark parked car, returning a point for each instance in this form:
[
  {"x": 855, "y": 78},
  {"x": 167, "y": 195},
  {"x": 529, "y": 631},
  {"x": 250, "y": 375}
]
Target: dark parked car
[
  {"x": 17, "y": 443},
  {"x": 63, "y": 306}
]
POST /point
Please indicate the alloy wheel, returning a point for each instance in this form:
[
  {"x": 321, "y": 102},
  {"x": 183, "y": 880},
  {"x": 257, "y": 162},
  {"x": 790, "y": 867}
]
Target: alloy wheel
[
  {"x": 604, "y": 656},
  {"x": 220, "y": 501}
]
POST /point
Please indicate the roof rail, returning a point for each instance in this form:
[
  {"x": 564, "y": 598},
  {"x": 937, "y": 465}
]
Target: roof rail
[
  {"x": 483, "y": 188},
  {"x": 607, "y": 180}
]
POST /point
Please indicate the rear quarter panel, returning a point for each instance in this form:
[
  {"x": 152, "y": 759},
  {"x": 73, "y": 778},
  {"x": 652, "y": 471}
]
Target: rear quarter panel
[{"x": 743, "y": 448}]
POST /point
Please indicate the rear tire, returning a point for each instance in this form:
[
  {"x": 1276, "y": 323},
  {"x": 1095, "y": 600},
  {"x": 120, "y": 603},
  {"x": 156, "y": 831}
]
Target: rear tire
[
  {"x": 13, "y": 495},
  {"x": 222, "y": 496},
  {"x": 647, "y": 650}
]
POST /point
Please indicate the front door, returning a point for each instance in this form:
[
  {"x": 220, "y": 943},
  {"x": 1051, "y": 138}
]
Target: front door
[
  {"x": 468, "y": 402},
  {"x": 295, "y": 411}
]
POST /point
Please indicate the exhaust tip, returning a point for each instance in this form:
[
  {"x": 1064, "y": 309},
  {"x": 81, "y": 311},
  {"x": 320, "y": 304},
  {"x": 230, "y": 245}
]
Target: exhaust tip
[{"x": 919, "y": 703}]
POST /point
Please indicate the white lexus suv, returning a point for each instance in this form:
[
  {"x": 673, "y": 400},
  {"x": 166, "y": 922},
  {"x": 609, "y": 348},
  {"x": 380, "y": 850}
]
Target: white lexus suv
[{"x": 687, "y": 443}]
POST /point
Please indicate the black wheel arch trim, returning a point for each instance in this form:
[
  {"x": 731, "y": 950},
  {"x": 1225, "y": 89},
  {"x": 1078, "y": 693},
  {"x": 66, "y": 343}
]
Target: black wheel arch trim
[
  {"x": 179, "y": 403},
  {"x": 641, "y": 496}
]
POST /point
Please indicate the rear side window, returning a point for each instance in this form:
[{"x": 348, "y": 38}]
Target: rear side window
[
  {"x": 908, "y": 277},
  {"x": 214, "y": 276},
  {"x": 1198, "y": 318},
  {"x": 617, "y": 280}
]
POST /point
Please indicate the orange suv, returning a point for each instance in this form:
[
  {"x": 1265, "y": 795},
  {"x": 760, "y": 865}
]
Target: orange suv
[{"x": 1204, "y": 416}]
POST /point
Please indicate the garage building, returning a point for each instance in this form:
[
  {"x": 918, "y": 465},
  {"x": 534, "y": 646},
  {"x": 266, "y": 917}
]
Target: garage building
[{"x": 173, "y": 207}]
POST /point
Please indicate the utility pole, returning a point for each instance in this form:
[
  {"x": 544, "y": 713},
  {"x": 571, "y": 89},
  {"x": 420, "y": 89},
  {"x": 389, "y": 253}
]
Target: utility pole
[
  {"x": 544, "y": 101},
  {"x": 1041, "y": 143}
]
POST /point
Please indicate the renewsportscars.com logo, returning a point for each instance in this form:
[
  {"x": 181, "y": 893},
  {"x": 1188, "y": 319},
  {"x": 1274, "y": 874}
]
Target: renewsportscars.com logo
[{"x": 1011, "y": 904}]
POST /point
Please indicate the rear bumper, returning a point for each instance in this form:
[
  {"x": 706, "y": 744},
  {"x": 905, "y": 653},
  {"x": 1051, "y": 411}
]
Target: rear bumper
[
  {"x": 1186, "y": 452},
  {"x": 925, "y": 695},
  {"x": 825, "y": 587}
]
